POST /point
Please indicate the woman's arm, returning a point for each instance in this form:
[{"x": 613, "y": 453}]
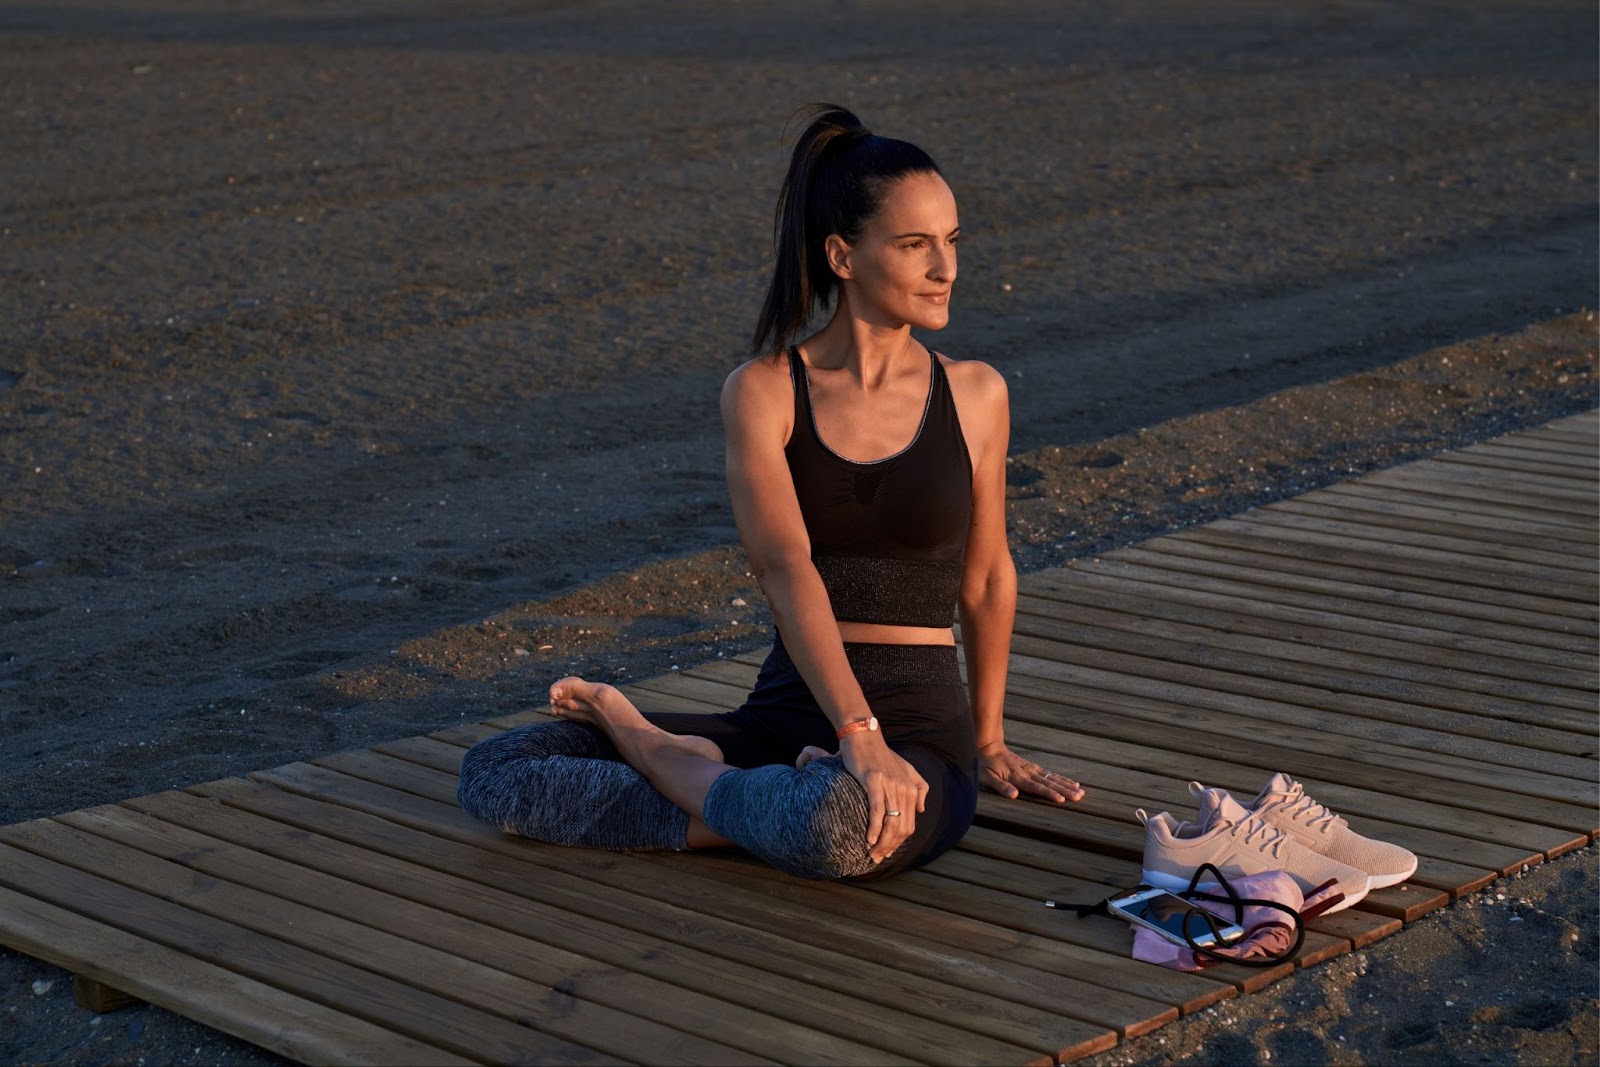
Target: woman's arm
[
  {"x": 757, "y": 409},
  {"x": 988, "y": 603}
]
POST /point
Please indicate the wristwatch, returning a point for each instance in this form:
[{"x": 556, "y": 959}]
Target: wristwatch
[{"x": 870, "y": 723}]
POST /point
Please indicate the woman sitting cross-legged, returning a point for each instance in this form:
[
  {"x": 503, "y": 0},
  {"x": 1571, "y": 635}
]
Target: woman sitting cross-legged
[{"x": 868, "y": 482}]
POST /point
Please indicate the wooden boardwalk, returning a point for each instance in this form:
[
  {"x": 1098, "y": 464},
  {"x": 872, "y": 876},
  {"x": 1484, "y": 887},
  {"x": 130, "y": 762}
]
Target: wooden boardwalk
[{"x": 1418, "y": 647}]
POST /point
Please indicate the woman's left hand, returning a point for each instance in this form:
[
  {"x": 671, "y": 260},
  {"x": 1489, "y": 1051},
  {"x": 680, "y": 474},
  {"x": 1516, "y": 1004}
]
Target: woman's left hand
[{"x": 1010, "y": 775}]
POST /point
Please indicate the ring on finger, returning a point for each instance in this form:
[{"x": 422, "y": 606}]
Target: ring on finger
[{"x": 892, "y": 814}]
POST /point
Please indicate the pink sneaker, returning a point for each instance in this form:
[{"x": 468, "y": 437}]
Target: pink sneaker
[
  {"x": 1238, "y": 843},
  {"x": 1284, "y": 804}
]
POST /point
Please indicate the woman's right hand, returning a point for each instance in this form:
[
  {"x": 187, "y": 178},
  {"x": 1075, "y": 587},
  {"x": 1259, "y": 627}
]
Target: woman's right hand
[{"x": 892, "y": 785}]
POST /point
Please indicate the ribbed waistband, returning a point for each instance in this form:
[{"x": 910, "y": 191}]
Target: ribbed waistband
[{"x": 878, "y": 666}]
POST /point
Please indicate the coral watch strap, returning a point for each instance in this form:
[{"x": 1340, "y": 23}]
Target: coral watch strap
[{"x": 856, "y": 727}]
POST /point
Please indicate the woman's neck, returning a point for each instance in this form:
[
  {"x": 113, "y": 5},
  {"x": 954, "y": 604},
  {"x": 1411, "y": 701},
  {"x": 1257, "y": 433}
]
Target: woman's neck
[{"x": 869, "y": 351}]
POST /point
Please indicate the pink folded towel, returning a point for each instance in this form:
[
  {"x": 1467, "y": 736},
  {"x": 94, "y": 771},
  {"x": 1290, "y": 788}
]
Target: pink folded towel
[{"x": 1267, "y": 931}]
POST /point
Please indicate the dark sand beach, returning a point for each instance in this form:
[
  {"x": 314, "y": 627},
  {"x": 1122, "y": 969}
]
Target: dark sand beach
[{"x": 359, "y": 363}]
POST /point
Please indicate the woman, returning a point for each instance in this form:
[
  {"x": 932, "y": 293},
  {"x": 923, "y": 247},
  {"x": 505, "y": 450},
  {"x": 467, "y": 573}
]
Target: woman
[{"x": 868, "y": 482}]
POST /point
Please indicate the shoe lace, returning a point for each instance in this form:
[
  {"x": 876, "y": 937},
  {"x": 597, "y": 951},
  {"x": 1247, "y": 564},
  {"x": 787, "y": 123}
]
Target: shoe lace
[
  {"x": 1272, "y": 838},
  {"x": 1299, "y": 806}
]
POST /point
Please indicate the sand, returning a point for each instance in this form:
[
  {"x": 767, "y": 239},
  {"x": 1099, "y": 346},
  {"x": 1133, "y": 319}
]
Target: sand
[{"x": 352, "y": 355}]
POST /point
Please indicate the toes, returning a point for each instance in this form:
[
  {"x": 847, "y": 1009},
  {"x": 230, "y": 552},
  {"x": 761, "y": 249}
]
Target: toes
[{"x": 809, "y": 753}]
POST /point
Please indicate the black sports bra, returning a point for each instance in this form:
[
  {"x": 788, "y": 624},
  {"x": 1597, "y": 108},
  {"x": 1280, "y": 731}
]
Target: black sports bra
[{"x": 888, "y": 537}]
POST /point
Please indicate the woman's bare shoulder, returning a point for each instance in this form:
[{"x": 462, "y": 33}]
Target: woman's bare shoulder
[
  {"x": 975, "y": 380},
  {"x": 757, "y": 385}
]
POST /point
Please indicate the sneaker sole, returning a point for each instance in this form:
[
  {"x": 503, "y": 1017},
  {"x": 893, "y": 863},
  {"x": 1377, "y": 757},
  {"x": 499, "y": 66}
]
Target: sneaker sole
[
  {"x": 1384, "y": 881},
  {"x": 1170, "y": 882},
  {"x": 1175, "y": 884}
]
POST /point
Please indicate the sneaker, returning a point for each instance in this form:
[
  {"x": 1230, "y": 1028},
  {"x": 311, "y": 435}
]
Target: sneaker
[
  {"x": 1284, "y": 804},
  {"x": 1238, "y": 843}
]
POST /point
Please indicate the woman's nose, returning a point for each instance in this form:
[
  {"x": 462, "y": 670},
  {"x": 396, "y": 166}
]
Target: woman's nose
[{"x": 943, "y": 267}]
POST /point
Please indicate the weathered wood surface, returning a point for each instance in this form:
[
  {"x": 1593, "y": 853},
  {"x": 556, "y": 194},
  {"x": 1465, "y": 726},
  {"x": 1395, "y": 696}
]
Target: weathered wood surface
[{"x": 1418, "y": 647}]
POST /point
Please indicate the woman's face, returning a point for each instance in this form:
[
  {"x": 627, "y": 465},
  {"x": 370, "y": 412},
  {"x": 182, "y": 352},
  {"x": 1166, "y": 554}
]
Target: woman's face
[{"x": 901, "y": 269}]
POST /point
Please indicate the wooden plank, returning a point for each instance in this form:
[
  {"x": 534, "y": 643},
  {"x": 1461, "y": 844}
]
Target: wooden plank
[
  {"x": 1461, "y": 568},
  {"x": 1357, "y": 926},
  {"x": 979, "y": 1014},
  {"x": 1452, "y": 858},
  {"x": 1546, "y": 473},
  {"x": 981, "y": 870},
  {"x": 1586, "y": 462},
  {"x": 1394, "y": 721},
  {"x": 657, "y": 701},
  {"x": 425, "y": 1018},
  {"x": 1555, "y": 490},
  {"x": 1485, "y": 518},
  {"x": 260, "y": 1013},
  {"x": 1406, "y": 902},
  {"x": 353, "y": 893},
  {"x": 527, "y": 1015},
  {"x": 1312, "y": 655},
  {"x": 1045, "y": 822},
  {"x": 1276, "y": 747},
  {"x": 732, "y": 679},
  {"x": 1437, "y": 755},
  {"x": 1392, "y": 791},
  {"x": 1254, "y": 608},
  {"x": 1450, "y": 522},
  {"x": 1492, "y": 801},
  {"x": 968, "y": 875},
  {"x": 1538, "y": 472},
  {"x": 633, "y": 930},
  {"x": 1367, "y": 568},
  {"x": 1091, "y": 1004},
  {"x": 1443, "y": 874},
  {"x": 1111, "y": 971},
  {"x": 1443, "y": 479},
  {"x": 1584, "y": 421},
  {"x": 1062, "y": 858},
  {"x": 1021, "y": 913},
  {"x": 1565, "y": 527},
  {"x": 1372, "y": 745},
  {"x": 1463, "y": 490},
  {"x": 910, "y": 956},
  {"x": 1312, "y": 585},
  {"x": 1260, "y": 592},
  {"x": 1494, "y": 556},
  {"x": 1545, "y": 437}
]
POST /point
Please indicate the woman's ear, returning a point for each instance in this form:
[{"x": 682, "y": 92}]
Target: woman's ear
[{"x": 839, "y": 253}]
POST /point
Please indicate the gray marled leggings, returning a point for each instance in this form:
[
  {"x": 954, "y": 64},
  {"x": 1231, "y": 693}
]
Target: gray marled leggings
[{"x": 563, "y": 782}]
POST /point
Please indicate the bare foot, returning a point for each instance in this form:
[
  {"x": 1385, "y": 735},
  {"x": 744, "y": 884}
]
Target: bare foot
[
  {"x": 809, "y": 753},
  {"x": 604, "y": 706}
]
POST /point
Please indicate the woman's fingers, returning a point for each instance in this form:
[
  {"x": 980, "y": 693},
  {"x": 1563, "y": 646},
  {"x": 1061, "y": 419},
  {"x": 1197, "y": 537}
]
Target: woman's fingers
[
  {"x": 1035, "y": 780},
  {"x": 895, "y": 794},
  {"x": 899, "y": 819},
  {"x": 999, "y": 784},
  {"x": 900, "y": 805},
  {"x": 1055, "y": 786},
  {"x": 1046, "y": 786},
  {"x": 875, "y": 810}
]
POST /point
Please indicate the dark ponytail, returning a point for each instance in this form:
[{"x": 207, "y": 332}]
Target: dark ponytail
[{"x": 837, "y": 178}]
